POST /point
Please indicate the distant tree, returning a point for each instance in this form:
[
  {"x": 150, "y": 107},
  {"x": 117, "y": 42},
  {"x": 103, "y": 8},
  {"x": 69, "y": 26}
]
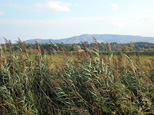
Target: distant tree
[
  {"x": 77, "y": 47},
  {"x": 132, "y": 44},
  {"x": 126, "y": 48},
  {"x": 108, "y": 47}
]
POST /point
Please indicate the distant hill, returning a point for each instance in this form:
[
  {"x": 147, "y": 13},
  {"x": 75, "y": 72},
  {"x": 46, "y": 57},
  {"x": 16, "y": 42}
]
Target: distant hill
[{"x": 99, "y": 37}]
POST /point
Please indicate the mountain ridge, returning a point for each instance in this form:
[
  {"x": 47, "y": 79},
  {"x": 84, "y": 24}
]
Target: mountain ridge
[{"x": 99, "y": 37}]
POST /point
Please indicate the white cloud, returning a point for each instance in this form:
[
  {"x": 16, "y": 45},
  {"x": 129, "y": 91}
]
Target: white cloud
[
  {"x": 2, "y": 13},
  {"x": 50, "y": 5},
  {"x": 114, "y": 6},
  {"x": 58, "y": 6}
]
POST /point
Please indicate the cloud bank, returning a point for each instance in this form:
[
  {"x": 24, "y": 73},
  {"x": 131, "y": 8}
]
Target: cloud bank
[
  {"x": 53, "y": 5},
  {"x": 56, "y": 28}
]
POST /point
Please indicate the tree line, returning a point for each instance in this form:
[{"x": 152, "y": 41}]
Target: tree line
[{"x": 104, "y": 47}]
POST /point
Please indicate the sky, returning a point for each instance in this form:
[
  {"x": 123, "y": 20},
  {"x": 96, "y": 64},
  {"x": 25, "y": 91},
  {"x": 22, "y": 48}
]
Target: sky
[{"x": 55, "y": 19}]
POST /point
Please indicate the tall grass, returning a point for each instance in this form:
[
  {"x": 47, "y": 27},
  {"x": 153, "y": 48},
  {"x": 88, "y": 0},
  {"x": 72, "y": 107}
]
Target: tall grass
[{"x": 88, "y": 84}]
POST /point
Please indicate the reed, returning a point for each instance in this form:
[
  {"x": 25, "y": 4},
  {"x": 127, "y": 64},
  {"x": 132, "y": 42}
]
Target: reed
[{"x": 88, "y": 84}]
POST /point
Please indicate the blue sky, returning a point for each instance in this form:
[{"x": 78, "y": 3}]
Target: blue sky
[{"x": 29, "y": 19}]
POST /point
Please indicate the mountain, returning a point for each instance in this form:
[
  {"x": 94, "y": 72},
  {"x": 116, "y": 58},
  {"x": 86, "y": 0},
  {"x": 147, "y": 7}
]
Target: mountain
[{"x": 99, "y": 37}]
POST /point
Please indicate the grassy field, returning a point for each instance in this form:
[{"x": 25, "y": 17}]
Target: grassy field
[
  {"x": 144, "y": 60},
  {"x": 82, "y": 84}
]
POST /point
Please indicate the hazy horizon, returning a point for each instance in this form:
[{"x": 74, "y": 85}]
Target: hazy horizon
[{"x": 58, "y": 19}]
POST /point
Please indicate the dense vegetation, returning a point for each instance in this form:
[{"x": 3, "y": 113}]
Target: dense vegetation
[
  {"x": 85, "y": 83},
  {"x": 137, "y": 46}
]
